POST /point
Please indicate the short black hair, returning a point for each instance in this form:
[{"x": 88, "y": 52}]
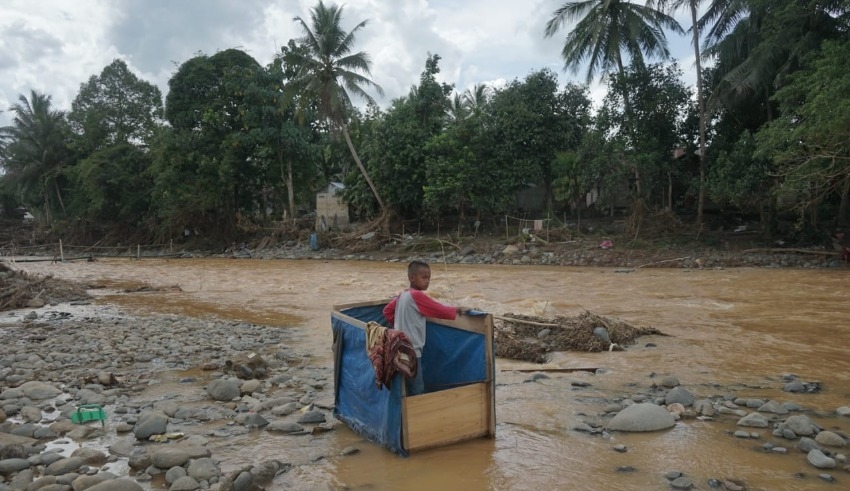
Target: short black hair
[{"x": 415, "y": 266}]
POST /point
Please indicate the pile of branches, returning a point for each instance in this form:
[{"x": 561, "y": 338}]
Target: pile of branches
[
  {"x": 17, "y": 289},
  {"x": 530, "y": 338}
]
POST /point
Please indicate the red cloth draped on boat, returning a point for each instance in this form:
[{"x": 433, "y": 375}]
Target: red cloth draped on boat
[{"x": 390, "y": 352}]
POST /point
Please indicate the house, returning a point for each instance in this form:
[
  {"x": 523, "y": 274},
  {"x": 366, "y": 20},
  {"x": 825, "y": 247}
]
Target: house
[
  {"x": 331, "y": 210},
  {"x": 530, "y": 198}
]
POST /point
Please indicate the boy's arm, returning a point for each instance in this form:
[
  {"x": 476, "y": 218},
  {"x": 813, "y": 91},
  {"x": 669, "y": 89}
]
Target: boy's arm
[
  {"x": 389, "y": 311},
  {"x": 432, "y": 308}
]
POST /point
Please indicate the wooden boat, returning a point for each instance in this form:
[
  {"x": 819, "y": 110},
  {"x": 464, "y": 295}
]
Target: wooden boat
[{"x": 459, "y": 400}]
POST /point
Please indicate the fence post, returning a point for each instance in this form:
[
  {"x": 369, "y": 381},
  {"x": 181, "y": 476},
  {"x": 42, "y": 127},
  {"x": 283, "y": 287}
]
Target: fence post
[
  {"x": 506, "y": 227},
  {"x": 61, "y": 252},
  {"x": 138, "y": 252}
]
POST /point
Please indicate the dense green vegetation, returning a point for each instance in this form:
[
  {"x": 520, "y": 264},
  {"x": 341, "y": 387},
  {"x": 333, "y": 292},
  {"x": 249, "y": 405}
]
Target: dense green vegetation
[{"x": 235, "y": 145}]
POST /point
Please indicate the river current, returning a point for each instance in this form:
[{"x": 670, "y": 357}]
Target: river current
[{"x": 732, "y": 332}]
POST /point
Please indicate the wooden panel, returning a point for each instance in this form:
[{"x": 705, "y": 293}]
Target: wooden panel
[
  {"x": 446, "y": 416},
  {"x": 474, "y": 323}
]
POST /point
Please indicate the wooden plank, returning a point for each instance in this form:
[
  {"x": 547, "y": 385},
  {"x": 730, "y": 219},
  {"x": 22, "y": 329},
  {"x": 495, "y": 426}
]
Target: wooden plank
[
  {"x": 351, "y": 320},
  {"x": 490, "y": 390},
  {"x": 361, "y": 304},
  {"x": 473, "y": 323},
  {"x": 447, "y": 416}
]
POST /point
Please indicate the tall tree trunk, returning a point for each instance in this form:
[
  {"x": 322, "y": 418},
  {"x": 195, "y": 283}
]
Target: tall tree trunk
[
  {"x": 703, "y": 158},
  {"x": 290, "y": 188},
  {"x": 627, "y": 111},
  {"x": 845, "y": 197},
  {"x": 363, "y": 169},
  {"x": 669, "y": 191}
]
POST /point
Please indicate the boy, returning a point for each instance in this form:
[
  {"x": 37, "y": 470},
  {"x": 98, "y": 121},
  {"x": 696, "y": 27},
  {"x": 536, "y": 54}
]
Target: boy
[{"x": 407, "y": 313}]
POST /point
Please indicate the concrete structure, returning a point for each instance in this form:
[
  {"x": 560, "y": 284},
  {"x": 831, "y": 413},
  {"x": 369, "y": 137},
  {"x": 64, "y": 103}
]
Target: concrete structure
[{"x": 331, "y": 210}]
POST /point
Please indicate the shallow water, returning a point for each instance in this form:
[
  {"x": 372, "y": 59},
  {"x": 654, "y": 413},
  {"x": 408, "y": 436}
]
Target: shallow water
[{"x": 732, "y": 332}]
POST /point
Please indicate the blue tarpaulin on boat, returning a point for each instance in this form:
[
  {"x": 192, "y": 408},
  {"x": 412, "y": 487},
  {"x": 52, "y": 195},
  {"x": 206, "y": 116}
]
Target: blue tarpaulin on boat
[{"x": 452, "y": 358}]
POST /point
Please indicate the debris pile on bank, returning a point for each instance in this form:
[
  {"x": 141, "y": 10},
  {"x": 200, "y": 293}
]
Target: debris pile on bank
[
  {"x": 21, "y": 289},
  {"x": 530, "y": 338}
]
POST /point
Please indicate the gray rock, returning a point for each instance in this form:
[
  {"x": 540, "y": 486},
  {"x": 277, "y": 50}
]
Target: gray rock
[
  {"x": 806, "y": 445},
  {"x": 90, "y": 456},
  {"x": 223, "y": 390},
  {"x": 312, "y": 417},
  {"x": 204, "y": 469},
  {"x": 754, "y": 420},
  {"x": 284, "y": 427},
  {"x": 170, "y": 456},
  {"x": 819, "y": 460},
  {"x": 642, "y": 417},
  {"x": 9, "y": 466},
  {"x": 117, "y": 485},
  {"x": 64, "y": 466},
  {"x": 122, "y": 448},
  {"x": 801, "y": 425},
  {"x": 175, "y": 473},
  {"x": 39, "y": 391},
  {"x": 255, "y": 420},
  {"x": 843, "y": 411},
  {"x": 250, "y": 386},
  {"x": 150, "y": 423},
  {"x": 773, "y": 407},
  {"x": 86, "y": 482},
  {"x": 830, "y": 439},
  {"x": 682, "y": 483},
  {"x": 185, "y": 483},
  {"x": 285, "y": 409},
  {"x": 679, "y": 395},
  {"x": 669, "y": 381}
]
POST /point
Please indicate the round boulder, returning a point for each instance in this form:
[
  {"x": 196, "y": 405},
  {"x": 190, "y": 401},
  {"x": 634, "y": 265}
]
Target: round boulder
[{"x": 644, "y": 416}]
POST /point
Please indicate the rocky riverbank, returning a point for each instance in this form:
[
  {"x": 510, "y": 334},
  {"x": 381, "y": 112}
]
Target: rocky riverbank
[
  {"x": 579, "y": 252},
  {"x": 175, "y": 389},
  {"x": 170, "y": 387}
]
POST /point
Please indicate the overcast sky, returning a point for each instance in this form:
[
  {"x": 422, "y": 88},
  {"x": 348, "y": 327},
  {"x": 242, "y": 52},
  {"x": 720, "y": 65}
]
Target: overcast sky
[{"x": 53, "y": 46}]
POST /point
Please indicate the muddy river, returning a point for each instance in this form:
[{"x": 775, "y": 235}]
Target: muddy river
[{"x": 732, "y": 332}]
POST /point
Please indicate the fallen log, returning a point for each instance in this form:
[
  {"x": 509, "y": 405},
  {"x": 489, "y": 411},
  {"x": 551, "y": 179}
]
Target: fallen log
[
  {"x": 523, "y": 321},
  {"x": 549, "y": 370},
  {"x": 799, "y": 251}
]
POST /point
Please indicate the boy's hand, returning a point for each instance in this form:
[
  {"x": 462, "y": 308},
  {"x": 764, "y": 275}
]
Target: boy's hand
[{"x": 462, "y": 310}]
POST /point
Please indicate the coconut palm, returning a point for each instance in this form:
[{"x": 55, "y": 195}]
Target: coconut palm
[
  {"x": 35, "y": 149},
  {"x": 757, "y": 43},
  {"x": 329, "y": 70},
  {"x": 604, "y": 29},
  {"x": 693, "y": 7}
]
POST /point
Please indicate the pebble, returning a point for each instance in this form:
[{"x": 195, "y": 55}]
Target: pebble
[{"x": 127, "y": 353}]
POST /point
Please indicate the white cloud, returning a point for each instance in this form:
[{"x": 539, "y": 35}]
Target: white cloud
[{"x": 53, "y": 46}]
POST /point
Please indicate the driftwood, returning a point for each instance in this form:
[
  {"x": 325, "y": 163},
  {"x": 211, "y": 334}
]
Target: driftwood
[
  {"x": 798, "y": 251},
  {"x": 550, "y": 370},
  {"x": 665, "y": 261},
  {"x": 524, "y": 321}
]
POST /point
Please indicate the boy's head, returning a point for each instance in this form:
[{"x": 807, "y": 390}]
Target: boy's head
[{"x": 419, "y": 274}]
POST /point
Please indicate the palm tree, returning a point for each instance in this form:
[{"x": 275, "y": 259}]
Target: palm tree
[
  {"x": 606, "y": 28},
  {"x": 35, "y": 149},
  {"x": 328, "y": 71},
  {"x": 477, "y": 97},
  {"x": 693, "y": 6}
]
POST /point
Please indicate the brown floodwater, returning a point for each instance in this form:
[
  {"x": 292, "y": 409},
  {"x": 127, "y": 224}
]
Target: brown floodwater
[{"x": 732, "y": 332}]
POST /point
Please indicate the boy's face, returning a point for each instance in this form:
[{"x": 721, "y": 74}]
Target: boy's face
[{"x": 420, "y": 279}]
